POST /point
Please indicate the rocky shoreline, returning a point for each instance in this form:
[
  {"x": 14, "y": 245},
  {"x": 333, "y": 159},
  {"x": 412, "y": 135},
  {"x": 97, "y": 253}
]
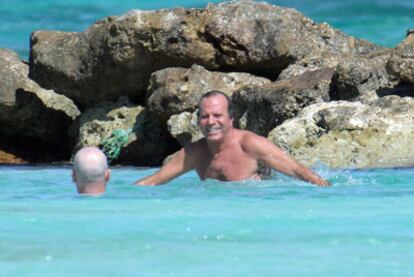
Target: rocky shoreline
[{"x": 323, "y": 96}]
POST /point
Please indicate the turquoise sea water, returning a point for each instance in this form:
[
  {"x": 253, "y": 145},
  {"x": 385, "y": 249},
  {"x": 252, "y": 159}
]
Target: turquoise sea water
[
  {"x": 361, "y": 226},
  {"x": 381, "y": 21}
]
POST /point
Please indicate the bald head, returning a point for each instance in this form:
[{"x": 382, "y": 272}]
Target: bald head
[{"x": 90, "y": 170}]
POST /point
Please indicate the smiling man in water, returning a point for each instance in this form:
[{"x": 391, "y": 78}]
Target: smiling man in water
[{"x": 226, "y": 153}]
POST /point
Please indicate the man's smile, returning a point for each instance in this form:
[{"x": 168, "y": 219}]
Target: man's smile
[{"x": 213, "y": 129}]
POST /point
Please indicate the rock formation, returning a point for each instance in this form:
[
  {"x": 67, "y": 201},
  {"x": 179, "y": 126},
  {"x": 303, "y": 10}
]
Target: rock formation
[
  {"x": 175, "y": 90},
  {"x": 147, "y": 145},
  {"x": 117, "y": 55},
  {"x": 260, "y": 109},
  {"x": 351, "y": 134},
  {"x": 314, "y": 88},
  {"x": 31, "y": 117},
  {"x": 401, "y": 63}
]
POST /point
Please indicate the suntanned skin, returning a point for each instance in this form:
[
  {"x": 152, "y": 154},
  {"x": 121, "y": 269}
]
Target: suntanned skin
[{"x": 228, "y": 154}]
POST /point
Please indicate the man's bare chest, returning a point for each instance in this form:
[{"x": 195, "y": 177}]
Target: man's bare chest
[{"x": 227, "y": 166}]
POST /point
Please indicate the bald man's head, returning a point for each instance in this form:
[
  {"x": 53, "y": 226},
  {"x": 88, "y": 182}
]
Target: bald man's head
[{"x": 90, "y": 170}]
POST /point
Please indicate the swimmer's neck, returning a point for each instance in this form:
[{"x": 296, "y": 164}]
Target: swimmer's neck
[{"x": 95, "y": 189}]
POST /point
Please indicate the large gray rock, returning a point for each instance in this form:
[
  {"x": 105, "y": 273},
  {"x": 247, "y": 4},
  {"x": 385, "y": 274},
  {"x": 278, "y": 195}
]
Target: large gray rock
[
  {"x": 310, "y": 63},
  {"x": 260, "y": 109},
  {"x": 117, "y": 55},
  {"x": 175, "y": 90},
  {"x": 258, "y": 37},
  {"x": 351, "y": 134},
  {"x": 13, "y": 74},
  {"x": 29, "y": 111},
  {"x": 356, "y": 76},
  {"x": 79, "y": 66},
  {"x": 401, "y": 63},
  {"x": 147, "y": 145},
  {"x": 184, "y": 127}
]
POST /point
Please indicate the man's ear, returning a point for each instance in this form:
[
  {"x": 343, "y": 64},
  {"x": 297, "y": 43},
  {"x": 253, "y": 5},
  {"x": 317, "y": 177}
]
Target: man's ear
[
  {"x": 73, "y": 176},
  {"x": 107, "y": 175}
]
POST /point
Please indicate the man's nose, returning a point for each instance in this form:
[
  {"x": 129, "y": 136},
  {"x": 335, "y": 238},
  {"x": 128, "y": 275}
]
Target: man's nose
[{"x": 210, "y": 119}]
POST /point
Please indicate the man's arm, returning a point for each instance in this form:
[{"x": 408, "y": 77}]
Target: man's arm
[
  {"x": 274, "y": 157},
  {"x": 178, "y": 165}
]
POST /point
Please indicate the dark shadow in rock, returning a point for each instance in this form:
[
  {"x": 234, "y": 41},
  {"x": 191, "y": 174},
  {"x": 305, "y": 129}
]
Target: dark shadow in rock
[
  {"x": 402, "y": 89},
  {"x": 32, "y": 150}
]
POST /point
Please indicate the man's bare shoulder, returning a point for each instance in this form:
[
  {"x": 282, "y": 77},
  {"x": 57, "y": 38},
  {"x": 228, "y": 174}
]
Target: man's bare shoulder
[
  {"x": 250, "y": 137},
  {"x": 252, "y": 142}
]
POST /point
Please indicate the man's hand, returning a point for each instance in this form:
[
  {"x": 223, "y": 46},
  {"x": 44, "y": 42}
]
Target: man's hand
[{"x": 146, "y": 181}]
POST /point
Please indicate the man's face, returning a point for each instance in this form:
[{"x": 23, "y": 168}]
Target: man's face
[{"x": 214, "y": 119}]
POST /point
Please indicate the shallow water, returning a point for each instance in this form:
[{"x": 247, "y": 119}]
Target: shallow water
[
  {"x": 384, "y": 22},
  {"x": 362, "y": 225}
]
